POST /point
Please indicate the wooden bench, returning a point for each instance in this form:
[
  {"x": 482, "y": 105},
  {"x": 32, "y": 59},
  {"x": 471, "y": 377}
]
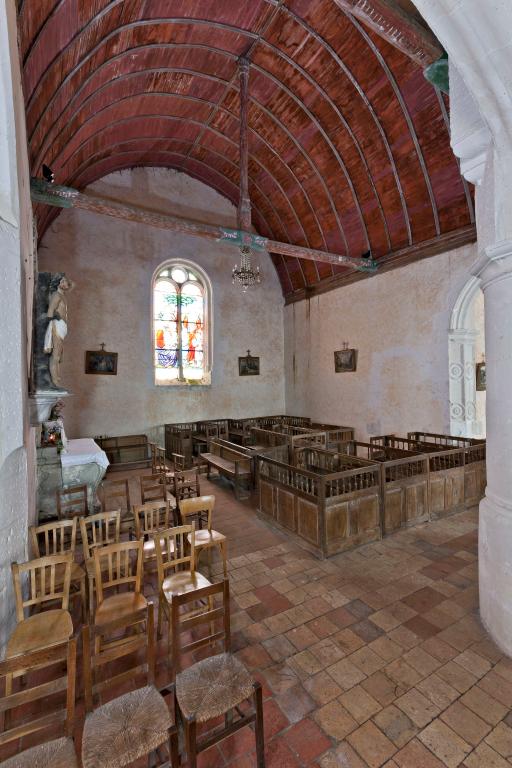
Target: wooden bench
[
  {"x": 126, "y": 451},
  {"x": 231, "y": 463}
]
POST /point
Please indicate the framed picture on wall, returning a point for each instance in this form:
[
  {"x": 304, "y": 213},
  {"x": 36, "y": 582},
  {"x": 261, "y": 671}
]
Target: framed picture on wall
[
  {"x": 345, "y": 360},
  {"x": 101, "y": 362},
  {"x": 480, "y": 377},
  {"x": 248, "y": 365}
]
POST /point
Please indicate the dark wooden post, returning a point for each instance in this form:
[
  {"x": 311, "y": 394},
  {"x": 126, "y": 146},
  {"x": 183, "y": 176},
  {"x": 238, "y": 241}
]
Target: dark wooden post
[{"x": 244, "y": 204}]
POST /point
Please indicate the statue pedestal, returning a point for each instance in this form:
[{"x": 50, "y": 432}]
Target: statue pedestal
[
  {"x": 49, "y": 478},
  {"x": 42, "y": 402}
]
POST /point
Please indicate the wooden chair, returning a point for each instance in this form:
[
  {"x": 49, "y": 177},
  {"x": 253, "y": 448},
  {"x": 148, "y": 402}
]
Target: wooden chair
[
  {"x": 186, "y": 485},
  {"x": 115, "y": 494},
  {"x": 59, "y": 753},
  {"x": 72, "y": 501},
  {"x": 216, "y": 685},
  {"x": 136, "y": 723},
  {"x": 205, "y": 538},
  {"x": 150, "y": 518},
  {"x": 117, "y": 566},
  {"x": 47, "y": 582},
  {"x": 98, "y": 531},
  {"x": 176, "y": 565},
  {"x": 179, "y": 462},
  {"x": 56, "y": 538},
  {"x": 153, "y": 487}
]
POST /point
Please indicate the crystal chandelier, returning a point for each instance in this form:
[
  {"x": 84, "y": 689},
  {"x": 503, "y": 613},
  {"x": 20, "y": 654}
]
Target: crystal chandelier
[{"x": 245, "y": 275}]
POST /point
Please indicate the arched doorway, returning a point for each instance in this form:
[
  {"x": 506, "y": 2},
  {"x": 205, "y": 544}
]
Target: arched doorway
[{"x": 466, "y": 348}]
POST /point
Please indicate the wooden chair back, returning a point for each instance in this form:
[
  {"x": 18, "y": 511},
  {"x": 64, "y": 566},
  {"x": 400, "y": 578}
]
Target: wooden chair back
[
  {"x": 152, "y": 455},
  {"x": 115, "y": 494},
  {"x": 186, "y": 485},
  {"x": 100, "y": 530},
  {"x": 44, "y": 582},
  {"x": 72, "y": 501},
  {"x": 36, "y": 691},
  {"x": 210, "y": 617},
  {"x": 53, "y": 538},
  {"x": 118, "y": 565},
  {"x": 151, "y": 517},
  {"x": 152, "y": 487},
  {"x": 179, "y": 461},
  {"x": 202, "y": 506},
  {"x": 173, "y": 550},
  {"x": 159, "y": 463},
  {"x": 97, "y": 656}
]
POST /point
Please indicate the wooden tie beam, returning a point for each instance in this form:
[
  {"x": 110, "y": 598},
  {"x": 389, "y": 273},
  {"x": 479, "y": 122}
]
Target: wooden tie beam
[
  {"x": 67, "y": 197},
  {"x": 391, "y": 22}
]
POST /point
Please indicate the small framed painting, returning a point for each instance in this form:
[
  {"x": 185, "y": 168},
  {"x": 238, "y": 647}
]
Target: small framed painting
[
  {"x": 101, "y": 362},
  {"x": 480, "y": 377},
  {"x": 248, "y": 365},
  {"x": 345, "y": 360}
]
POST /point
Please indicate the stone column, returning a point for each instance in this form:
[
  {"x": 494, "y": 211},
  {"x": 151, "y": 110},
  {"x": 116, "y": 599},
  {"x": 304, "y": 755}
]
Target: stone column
[
  {"x": 462, "y": 382},
  {"x": 495, "y": 531}
]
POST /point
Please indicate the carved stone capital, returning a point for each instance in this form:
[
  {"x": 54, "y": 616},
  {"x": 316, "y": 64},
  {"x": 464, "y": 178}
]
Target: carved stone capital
[{"x": 495, "y": 264}]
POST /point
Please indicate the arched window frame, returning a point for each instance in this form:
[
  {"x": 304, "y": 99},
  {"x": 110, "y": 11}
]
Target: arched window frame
[{"x": 205, "y": 282}]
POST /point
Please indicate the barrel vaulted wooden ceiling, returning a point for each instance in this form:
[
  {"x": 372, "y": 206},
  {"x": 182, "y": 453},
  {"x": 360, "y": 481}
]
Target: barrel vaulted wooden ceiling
[{"x": 349, "y": 144}]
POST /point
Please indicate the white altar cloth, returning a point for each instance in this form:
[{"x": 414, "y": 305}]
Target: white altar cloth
[{"x": 83, "y": 451}]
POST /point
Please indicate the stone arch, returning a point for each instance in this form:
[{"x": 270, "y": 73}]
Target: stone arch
[{"x": 463, "y": 336}]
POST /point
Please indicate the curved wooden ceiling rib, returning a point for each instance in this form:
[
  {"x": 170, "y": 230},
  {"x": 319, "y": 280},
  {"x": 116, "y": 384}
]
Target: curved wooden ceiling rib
[{"x": 344, "y": 155}]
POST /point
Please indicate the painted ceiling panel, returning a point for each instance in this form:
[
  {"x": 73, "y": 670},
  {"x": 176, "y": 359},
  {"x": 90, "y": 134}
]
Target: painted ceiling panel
[{"x": 349, "y": 144}]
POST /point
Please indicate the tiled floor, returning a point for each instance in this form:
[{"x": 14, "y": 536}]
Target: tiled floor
[{"x": 373, "y": 658}]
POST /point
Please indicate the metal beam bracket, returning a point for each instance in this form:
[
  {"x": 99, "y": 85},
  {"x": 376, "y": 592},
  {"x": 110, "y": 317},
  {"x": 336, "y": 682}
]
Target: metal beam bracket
[
  {"x": 52, "y": 194},
  {"x": 238, "y": 237}
]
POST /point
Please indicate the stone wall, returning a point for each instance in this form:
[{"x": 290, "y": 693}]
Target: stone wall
[
  {"x": 16, "y": 438},
  {"x": 112, "y": 263},
  {"x": 399, "y": 323}
]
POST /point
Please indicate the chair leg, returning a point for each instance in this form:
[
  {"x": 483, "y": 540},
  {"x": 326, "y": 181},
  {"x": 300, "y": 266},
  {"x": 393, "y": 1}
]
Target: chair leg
[
  {"x": 223, "y": 551},
  {"x": 191, "y": 742},
  {"x": 83, "y": 598},
  {"x": 91, "y": 598},
  {"x": 174, "y": 753},
  {"x": 159, "y": 623},
  {"x": 258, "y": 726},
  {"x": 210, "y": 563}
]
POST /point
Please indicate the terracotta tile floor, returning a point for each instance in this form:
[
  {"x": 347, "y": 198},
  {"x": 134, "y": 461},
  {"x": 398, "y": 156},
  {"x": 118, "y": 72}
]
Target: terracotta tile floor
[
  {"x": 373, "y": 658},
  {"x": 376, "y": 657}
]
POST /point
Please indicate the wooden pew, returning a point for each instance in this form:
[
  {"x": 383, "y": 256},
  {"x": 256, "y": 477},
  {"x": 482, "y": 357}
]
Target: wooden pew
[
  {"x": 126, "y": 451},
  {"x": 230, "y": 461}
]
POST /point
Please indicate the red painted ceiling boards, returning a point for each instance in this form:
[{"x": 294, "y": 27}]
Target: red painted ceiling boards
[{"x": 349, "y": 145}]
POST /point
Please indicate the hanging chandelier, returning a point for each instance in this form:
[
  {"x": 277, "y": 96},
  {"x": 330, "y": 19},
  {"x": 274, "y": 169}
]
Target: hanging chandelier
[{"x": 245, "y": 275}]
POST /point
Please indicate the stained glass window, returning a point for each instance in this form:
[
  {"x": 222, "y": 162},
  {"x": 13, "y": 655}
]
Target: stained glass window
[{"x": 179, "y": 309}]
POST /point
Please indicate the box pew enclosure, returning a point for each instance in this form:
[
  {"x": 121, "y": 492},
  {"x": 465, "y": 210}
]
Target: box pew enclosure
[{"x": 333, "y": 500}]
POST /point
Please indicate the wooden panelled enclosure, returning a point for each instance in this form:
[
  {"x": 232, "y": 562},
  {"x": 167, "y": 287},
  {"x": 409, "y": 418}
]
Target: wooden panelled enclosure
[
  {"x": 329, "y": 498},
  {"x": 327, "y": 512}
]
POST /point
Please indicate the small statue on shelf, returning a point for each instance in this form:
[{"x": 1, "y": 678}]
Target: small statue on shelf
[{"x": 57, "y": 328}]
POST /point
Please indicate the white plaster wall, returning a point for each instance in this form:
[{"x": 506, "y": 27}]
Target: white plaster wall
[
  {"x": 399, "y": 323},
  {"x": 17, "y": 475},
  {"x": 112, "y": 263}
]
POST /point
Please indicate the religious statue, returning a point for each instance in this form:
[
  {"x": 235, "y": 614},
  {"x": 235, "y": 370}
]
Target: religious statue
[{"x": 57, "y": 328}]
